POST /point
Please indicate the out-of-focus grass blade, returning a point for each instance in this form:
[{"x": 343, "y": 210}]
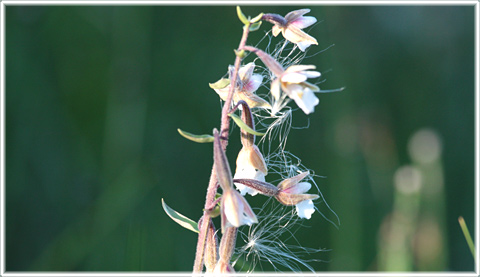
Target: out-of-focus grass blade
[
  {"x": 466, "y": 233},
  {"x": 184, "y": 221}
]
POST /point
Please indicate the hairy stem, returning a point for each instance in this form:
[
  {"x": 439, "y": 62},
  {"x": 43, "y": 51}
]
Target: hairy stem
[{"x": 213, "y": 183}]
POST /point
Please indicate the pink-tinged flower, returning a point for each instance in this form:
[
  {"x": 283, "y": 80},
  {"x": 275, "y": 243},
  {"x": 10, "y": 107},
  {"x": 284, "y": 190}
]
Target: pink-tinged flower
[
  {"x": 247, "y": 84},
  {"x": 291, "y": 28},
  {"x": 250, "y": 165},
  {"x": 292, "y": 192},
  {"x": 235, "y": 210},
  {"x": 293, "y": 81}
]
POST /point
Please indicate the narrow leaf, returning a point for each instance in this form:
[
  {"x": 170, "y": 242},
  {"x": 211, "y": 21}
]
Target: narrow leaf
[
  {"x": 222, "y": 83},
  {"x": 256, "y": 18},
  {"x": 255, "y": 26},
  {"x": 184, "y": 221},
  {"x": 196, "y": 138},
  {"x": 242, "y": 17},
  {"x": 244, "y": 126}
]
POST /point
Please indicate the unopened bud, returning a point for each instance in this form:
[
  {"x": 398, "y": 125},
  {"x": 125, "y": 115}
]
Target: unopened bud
[
  {"x": 211, "y": 251},
  {"x": 222, "y": 169}
]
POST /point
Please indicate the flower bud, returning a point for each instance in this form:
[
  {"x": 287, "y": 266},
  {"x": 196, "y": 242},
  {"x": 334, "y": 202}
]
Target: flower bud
[
  {"x": 222, "y": 169},
  {"x": 211, "y": 250}
]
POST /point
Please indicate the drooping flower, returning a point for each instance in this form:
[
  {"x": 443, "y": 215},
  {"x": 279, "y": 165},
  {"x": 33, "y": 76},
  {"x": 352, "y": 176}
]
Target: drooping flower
[
  {"x": 292, "y": 192},
  {"x": 250, "y": 165},
  {"x": 291, "y": 28},
  {"x": 235, "y": 210},
  {"x": 293, "y": 81},
  {"x": 247, "y": 84}
]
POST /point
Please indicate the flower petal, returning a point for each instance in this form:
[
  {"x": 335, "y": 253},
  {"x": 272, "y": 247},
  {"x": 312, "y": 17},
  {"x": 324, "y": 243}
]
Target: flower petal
[
  {"x": 223, "y": 93},
  {"x": 299, "y": 188},
  {"x": 253, "y": 83},
  {"x": 246, "y": 71},
  {"x": 248, "y": 173},
  {"x": 305, "y": 209},
  {"x": 306, "y": 99},
  {"x": 299, "y": 68},
  {"x": 253, "y": 100},
  {"x": 311, "y": 74},
  {"x": 295, "y": 35},
  {"x": 236, "y": 209},
  {"x": 311, "y": 86},
  {"x": 232, "y": 207},
  {"x": 275, "y": 89},
  {"x": 293, "y": 77},
  {"x": 303, "y": 22},
  {"x": 249, "y": 216},
  {"x": 291, "y": 16},
  {"x": 303, "y": 45},
  {"x": 292, "y": 181},
  {"x": 276, "y": 30}
]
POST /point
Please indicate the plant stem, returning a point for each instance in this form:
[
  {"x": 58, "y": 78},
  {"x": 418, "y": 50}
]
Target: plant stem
[{"x": 213, "y": 183}]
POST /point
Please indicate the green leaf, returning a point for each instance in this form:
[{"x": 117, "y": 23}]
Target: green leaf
[
  {"x": 256, "y": 18},
  {"x": 244, "y": 126},
  {"x": 242, "y": 17},
  {"x": 255, "y": 26},
  {"x": 184, "y": 221},
  {"x": 196, "y": 138},
  {"x": 222, "y": 83}
]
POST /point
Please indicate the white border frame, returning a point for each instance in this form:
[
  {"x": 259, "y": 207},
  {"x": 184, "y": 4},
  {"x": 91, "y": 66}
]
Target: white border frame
[{"x": 474, "y": 3}]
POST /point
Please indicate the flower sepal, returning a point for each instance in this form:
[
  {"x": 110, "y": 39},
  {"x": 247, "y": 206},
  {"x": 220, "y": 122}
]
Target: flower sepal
[{"x": 292, "y": 192}]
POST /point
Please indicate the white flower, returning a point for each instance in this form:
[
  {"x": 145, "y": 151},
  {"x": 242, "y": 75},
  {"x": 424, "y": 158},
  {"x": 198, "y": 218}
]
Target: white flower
[
  {"x": 247, "y": 84},
  {"x": 235, "y": 210},
  {"x": 250, "y": 165},
  {"x": 293, "y": 193},
  {"x": 293, "y": 81},
  {"x": 292, "y": 29},
  {"x": 305, "y": 209}
]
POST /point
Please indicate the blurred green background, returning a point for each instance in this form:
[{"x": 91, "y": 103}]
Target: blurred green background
[{"x": 95, "y": 94}]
